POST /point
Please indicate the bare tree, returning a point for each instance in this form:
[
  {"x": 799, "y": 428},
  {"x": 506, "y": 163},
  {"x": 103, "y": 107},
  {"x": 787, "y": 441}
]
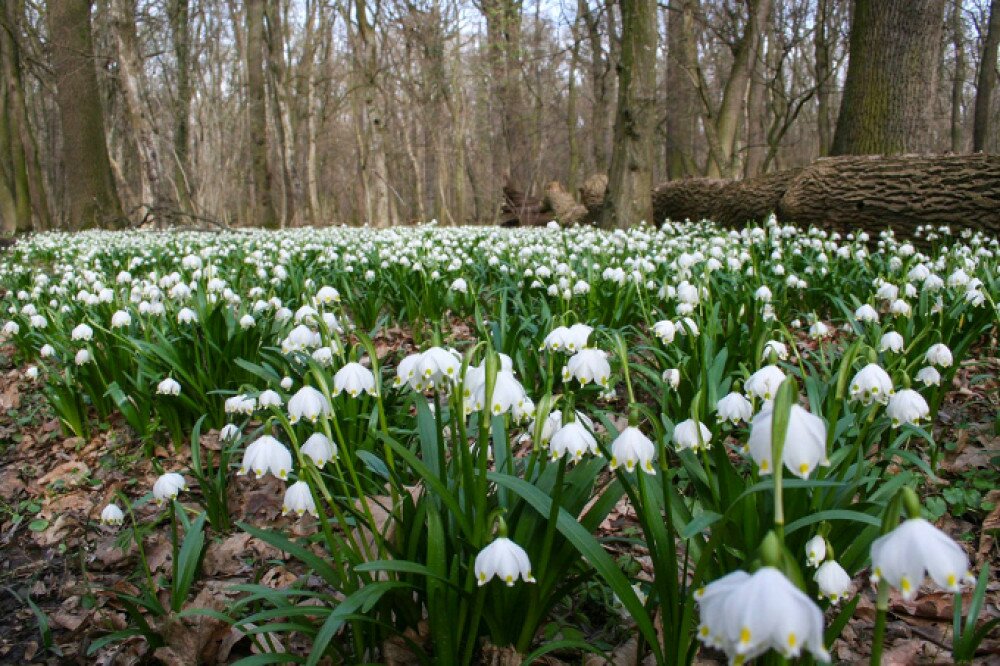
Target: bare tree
[{"x": 987, "y": 80}]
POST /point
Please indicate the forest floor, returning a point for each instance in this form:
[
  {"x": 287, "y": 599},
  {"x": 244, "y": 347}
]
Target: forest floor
[{"x": 59, "y": 567}]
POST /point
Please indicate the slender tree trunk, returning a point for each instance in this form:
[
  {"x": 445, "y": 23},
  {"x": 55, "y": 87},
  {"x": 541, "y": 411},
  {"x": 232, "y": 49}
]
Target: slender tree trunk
[
  {"x": 312, "y": 177},
  {"x": 987, "y": 80},
  {"x": 572, "y": 133},
  {"x": 264, "y": 211},
  {"x": 681, "y": 103},
  {"x": 372, "y": 124},
  {"x": 13, "y": 162},
  {"x": 275, "y": 38},
  {"x": 180, "y": 31},
  {"x": 756, "y": 116},
  {"x": 821, "y": 51},
  {"x": 600, "y": 88},
  {"x": 958, "y": 80},
  {"x": 628, "y": 199},
  {"x": 90, "y": 198},
  {"x": 9, "y": 210},
  {"x": 890, "y": 77}
]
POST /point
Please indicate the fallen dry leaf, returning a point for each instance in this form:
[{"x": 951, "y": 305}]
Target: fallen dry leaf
[{"x": 71, "y": 473}]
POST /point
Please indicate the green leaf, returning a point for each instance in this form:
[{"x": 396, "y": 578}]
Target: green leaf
[
  {"x": 187, "y": 562},
  {"x": 833, "y": 514},
  {"x": 366, "y": 595},
  {"x": 309, "y": 558}
]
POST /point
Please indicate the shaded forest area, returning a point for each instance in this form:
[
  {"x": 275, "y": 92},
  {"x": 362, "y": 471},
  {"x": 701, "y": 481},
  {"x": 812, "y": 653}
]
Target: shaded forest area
[{"x": 117, "y": 113}]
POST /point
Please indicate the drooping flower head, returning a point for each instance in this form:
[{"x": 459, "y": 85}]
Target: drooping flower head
[
  {"x": 906, "y": 555},
  {"x": 630, "y": 448},
  {"x": 805, "y": 441},
  {"x": 505, "y": 560}
]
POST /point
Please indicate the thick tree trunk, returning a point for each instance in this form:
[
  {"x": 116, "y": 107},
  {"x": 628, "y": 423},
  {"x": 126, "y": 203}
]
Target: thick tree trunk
[
  {"x": 600, "y": 75},
  {"x": 958, "y": 79},
  {"x": 264, "y": 211},
  {"x": 630, "y": 177},
  {"x": 822, "y": 50},
  {"x": 891, "y": 76},
  {"x": 681, "y": 110},
  {"x": 987, "y": 80},
  {"x": 90, "y": 197},
  {"x": 372, "y": 130},
  {"x": 181, "y": 34}
]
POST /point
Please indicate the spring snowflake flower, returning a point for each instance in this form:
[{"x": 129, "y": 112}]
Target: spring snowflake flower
[
  {"x": 266, "y": 454},
  {"x": 816, "y": 550},
  {"x": 168, "y": 386},
  {"x": 327, "y": 295},
  {"x": 819, "y": 330},
  {"x": 269, "y": 398},
  {"x": 554, "y": 422},
  {"x": 247, "y": 322},
  {"x": 866, "y": 313},
  {"x": 504, "y": 559},
  {"x": 308, "y": 404},
  {"x": 11, "y": 328},
  {"x": 779, "y": 349},
  {"x": 240, "y": 404},
  {"x": 168, "y": 486},
  {"x": 929, "y": 376},
  {"x": 734, "y": 408},
  {"x": 588, "y": 365},
  {"x": 764, "y": 383},
  {"x": 437, "y": 364},
  {"x": 121, "y": 319},
  {"x": 891, "y": 341},
  {"x": 287, "y": 383},
  {"x": 691, "y": 434},
  {"x": 630, "y": 448},
  {"x": 320, "y": 449},
  {"x": 355, "y": 379},
  {"x": 665, "y": 331},
  {"x": 300, "y": 339},
  {"x": 112, "y": 515},
  {"x": 907, "y": 406},
  {"x": 805, "y": 442},
  {"x": 672, "y": 377},
  {"x": 687, "y": 326},
  {"x": 82, "y": 357},
  {"x": 186, "y": 316},
  {"x": 229, "y": 432},
  {"x": 746, "y": 615},
  {"x": 904, "y": 556},
  {"x": 834, "y": 583},
  {"x": 939, "y": 354},
  {"x": 900, "y": 308},
  {"x": 82, "y": 332},
  {"x": 569, "y": 339},
  {"x": 460, "y": 285},
  {"x": 406, "y": 372},
  {"x": 762, "y": 294},
  {"x": 573, "y": 438},
  {"x": 871, "y": 384},
  {"x": 298, "y": 499}
]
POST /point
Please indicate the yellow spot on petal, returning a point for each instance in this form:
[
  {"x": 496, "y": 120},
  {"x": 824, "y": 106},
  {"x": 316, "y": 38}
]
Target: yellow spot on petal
[
  {"x": 904, "y": 584},
  {"x": 792, "y": 640},
  {"x": 804, "y": 468},
  {"x": 952, "y": 580},
  {"x": 745, "y": 635},
  {"x": 703, "y": 631},
  {"x": 764, "y": 465}
]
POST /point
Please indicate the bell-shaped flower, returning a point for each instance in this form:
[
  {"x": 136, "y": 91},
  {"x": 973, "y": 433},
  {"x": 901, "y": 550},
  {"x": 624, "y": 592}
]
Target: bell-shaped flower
[
  {"x": 186, "y": 316},
  {"x": 112, "y": 515},
  {"x": 805, "y": 442},
  {"x": 229, "y": 432},
  {"x": 632, "y": 448},
  {"x": 891, "y": 341},
  {"x": 939, "y": 354},
  {"x": 266, "y": 454},
  {"x": 779, "y": 349},
  {"x": 734, "y": 408},
  {"x": 168, "y": 386},
  {"x": 687, "y": 326},
  {"x": 691, "y": 434},
  {"x": 247, "y": 322},
  {"x": 764, "y": 383},
  {"x": 834, "y": 583},
  {"x": 269, "y": 398},
  {"x": 406, "y": 372},
  {"x": 82, "y": 332},
  {"x": 816, "y": 550},
  {"x": 287, "y": 383},
  {"x": 929, "y": 376},
  {"x": 588, "y": 365},
  {"x": 327, "y": 295},
  {"x": 819, "y": 330},
  {"x": 871, "y": 384},
  {"x": 866, "y": 313},
  {"x": 504, "y": 559},
  {"x": 438, "y": 364},
  {"x": 746, "y": 615},
  {"x": 121, "y": 319},
  {"x": 354, "y": 379},
  {"x": 168, "y": 486},
  {"x": 299, "y": 500},
  {"x": 319, "y": 448},
  {"x": 83, "y": 357},
  {"x": 907, "y": 406},
  {"x": 672, "y": 377},
  {"x": 308, "y": 404},
  {"x": 300, "y": 339},
  {"x": 460, "y": 285},
  {"x": 665, "y": 331},
  {"x": 554, "y": 422},
  {"x": 904, "y": 556},
  {"x": 240, "y": 404},
  {"x": 574, "y": 439}
]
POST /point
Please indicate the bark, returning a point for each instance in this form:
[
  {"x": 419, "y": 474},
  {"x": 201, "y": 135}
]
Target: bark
[
  {"x": 16, "y": 205},
  {"x": 630, "y": 178},
  {"x": 756, "y": 110},
  {"x": 681, "y": 110},
  {"x": 90, "y": 197},
  {"x": 822, "y": 49},
  {"x": 156, "y": 199},
  {"x": 275, "y": 41},
  {"x": 891, "y": 74},
  {"x": 987, "y": 80},
  {"x": 371, "y": 130},
  {"x": 600, "y": 71},
  {"x": 958, "y": 79},
  {"x": 181, "y": 36},
  {"x": 264, "y": 210},
  {"x": 572, "y": 134}
]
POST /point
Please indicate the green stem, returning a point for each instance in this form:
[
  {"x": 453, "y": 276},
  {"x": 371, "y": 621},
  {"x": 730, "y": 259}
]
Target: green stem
[{"x": 881, "y": 612}]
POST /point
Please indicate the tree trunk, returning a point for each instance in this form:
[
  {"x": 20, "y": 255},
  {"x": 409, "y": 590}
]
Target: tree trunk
[
  {"x": 599, "y": 80},
  {"x": 264, "y": 212},
  {"x": 13, "y": 164},
  {"x": 987, "y": 80},
  {"x": 372, "y": 131},
  {"x": 821, "y": 50},
  {"x": 758, "y": 127},
  {"x": 181, "y": 35},
  {"x": 681, "y": 109},
  {"x": 630, "y": 178},
  {"x": 891, "y": 76},
  {"x": 90, "y": 196},
  {"x": 958, "y": 80},
  {"x": 275, "y": 42}
]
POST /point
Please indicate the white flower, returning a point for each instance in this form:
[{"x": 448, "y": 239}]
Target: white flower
[
  {"x": 816, "y": 550},
  {"x": 939, "y": 354},
  {"x": 508, "y": 394},
  {"x": 186, "y": 316},
  {"x": 871, "y": 384},
  {"x": 11, "y": 328},
  {"x": 460, "y": 285},
  {"x": 266, "y": 454},
  {"x": 240, "y": 404},
  {"x": 734, "y": 408},
  {"x": 31, "y": 372},
  {"x": 588, "y": 365},
  {"x": 554, "y": 422},
  {"x": 299, "y": 339},
  {"x": 665, "y": 331},
  {"x": 672, "y": 377},
  {"x": 269, "y": 398},
  {"x": 904, "y": 556},
  {"x": 82, "y": 332},
  {"x": 833, "y": 581},
  {"x": 308, "y": 404},
  {"x": 247, "y": 321},
  {"x": 168, "y": 386},
  {"x": 46, "y": 351},
  {"x": 907, "y": 406},
  {"x": 406, "y": 372},
  {"x": 327, "y": 295},
  {"x": 112, "y": 515},
  {"x": 504, "y": 559},
  {"x": 121, "y": 319},
  {"x": 691, "y": 434},
  {"x": 82, "y": 357},
  {"x": 287, "y": 383},
  {"x": 687, "y": 326},
  {"x": 819, "y": 330},
  {"x": 765, "y": 382},
  {"x": 746, "y": 615},
  {"x": 573, "y": 438},
  {"x": 319, "y": 448},
  {"x": 631, "y": 447},
  {"x": 805, "y": 441},
  {"x": 168, "y": 486},
  {"x": 762, "y": 294},
  {"x": 780, "y": 350},
  {"x": 354, "y": 378},
  {"x": 929, "y": 375},
  {"x": 866, "y": 313},
  {"x": 900, "y": 308},
  {"x": 229, "y": 432},
  {"x": 569, "y": 339},
  {"x": 299, "y": 499},
  {"x": 436, "y": 364},
  {"x": 892, "y": 341}
]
